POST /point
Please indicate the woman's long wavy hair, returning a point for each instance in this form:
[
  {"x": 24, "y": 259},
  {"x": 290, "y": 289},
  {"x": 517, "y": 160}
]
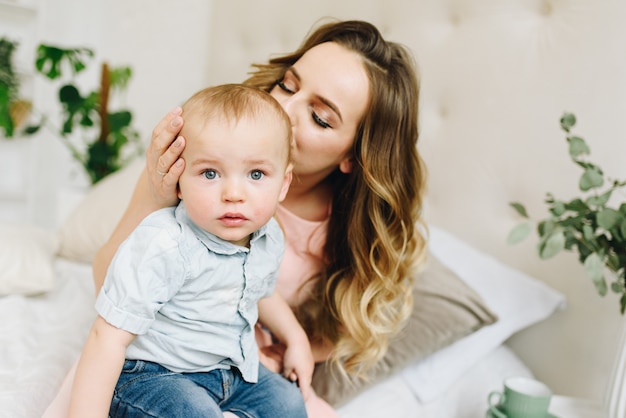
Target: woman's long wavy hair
[{"x": 375, "y": 234}]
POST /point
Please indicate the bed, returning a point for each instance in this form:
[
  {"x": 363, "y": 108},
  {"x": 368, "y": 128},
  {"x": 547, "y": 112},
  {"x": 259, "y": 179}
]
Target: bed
[
  {"x": 496, "y": 77},
  {"x": 468, "y": 305}
]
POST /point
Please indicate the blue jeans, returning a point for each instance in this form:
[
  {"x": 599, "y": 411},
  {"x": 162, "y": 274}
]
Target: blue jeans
[{"x": 147, "y": 389}]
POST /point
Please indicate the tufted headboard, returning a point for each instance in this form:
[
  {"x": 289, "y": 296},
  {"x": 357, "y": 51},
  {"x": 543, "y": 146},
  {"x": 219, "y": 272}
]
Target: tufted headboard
[{"x": 495, "y": 77}]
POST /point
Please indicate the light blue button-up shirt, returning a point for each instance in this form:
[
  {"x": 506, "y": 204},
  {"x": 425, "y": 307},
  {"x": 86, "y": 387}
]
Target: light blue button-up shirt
[{"x": 189, "y": 296}]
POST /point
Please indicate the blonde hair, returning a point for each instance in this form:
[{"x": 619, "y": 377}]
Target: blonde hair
[
  {"x": 374, "y": 239},
  {"x": 236, "y": 101}
]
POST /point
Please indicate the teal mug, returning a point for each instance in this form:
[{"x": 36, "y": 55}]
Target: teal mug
[{"x": 522, "y": 397}]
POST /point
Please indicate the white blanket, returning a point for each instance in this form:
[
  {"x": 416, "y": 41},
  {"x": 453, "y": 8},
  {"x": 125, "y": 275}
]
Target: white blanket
[{"x": 40, "y": 338}]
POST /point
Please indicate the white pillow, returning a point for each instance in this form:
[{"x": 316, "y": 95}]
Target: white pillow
[
  {"x": 90, "y": 225},
  {"x": 26, "y": 259},
  {"x": 518, "y": 299}
]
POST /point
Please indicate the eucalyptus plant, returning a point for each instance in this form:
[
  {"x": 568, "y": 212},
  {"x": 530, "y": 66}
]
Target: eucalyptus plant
[{"x": 586, "y": 225}]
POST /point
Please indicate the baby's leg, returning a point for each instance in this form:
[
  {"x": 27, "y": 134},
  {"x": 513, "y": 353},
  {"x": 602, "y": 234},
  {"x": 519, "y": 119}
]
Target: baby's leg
[
  {"x": 61, "y": 403},
  {"x": 148, "y": 389},
  {"x": 272, "y": 396}
]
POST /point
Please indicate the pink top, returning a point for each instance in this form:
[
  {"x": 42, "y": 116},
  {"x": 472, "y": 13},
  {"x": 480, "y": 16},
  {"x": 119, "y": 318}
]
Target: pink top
[{"x": 304, "y": 242}]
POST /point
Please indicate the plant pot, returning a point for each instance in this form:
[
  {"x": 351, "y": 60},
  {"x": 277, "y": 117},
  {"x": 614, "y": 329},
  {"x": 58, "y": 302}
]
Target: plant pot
[{"x": 19, "y": 111}]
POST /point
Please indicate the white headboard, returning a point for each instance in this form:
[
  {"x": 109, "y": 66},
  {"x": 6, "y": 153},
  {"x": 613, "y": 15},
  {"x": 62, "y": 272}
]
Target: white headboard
[{"x": 496, "y": 77}]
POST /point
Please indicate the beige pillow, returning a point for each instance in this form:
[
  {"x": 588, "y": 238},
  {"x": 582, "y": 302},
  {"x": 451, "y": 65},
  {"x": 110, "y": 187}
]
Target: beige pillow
[
  {"x": 26, "y": 259},
  {"x": 445, "y": 310},
  {"x": 92, "y": 222}
]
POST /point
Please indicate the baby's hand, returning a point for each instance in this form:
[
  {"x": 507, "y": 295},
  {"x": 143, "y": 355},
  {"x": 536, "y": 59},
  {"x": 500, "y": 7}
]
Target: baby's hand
[{"x": 298, "y": 366}]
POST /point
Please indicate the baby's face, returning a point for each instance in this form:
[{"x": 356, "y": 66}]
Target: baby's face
[{"x": 236, "y": 173}]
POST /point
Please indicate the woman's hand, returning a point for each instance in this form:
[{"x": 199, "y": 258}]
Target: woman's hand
[
  {"x": 163, "y": 163},
  {"x": 271, "y": 356}
]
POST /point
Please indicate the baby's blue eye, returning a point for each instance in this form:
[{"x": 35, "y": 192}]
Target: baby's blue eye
[
  {"x": 210, "y": 174},
  {"x": 256, "y": 175}
]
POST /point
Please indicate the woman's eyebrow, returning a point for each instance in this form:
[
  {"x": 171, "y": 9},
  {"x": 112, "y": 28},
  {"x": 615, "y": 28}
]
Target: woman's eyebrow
[{"x": 324, "y": 100}]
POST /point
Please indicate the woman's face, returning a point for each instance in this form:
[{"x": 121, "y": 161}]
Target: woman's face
[{"x": 325, "y": 94}]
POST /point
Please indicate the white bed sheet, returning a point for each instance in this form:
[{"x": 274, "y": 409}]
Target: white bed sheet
[{"x": 40, "y": 338}]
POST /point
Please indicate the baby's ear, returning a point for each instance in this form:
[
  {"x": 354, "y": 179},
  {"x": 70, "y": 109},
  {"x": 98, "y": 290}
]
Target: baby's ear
[{"x": 286, "y": 182}]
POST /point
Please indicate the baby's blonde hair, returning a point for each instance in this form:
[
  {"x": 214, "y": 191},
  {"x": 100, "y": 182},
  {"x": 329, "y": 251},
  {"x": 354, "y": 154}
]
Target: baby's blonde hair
[{"x": 233, "y": 102}]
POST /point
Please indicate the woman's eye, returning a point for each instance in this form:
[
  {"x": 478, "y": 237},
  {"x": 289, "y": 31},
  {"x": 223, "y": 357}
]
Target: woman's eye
[
  {"x": 321, "y": 122},
  {"x": 210, "y": 174},
  {"x": 256, "y": 175},
  {"x": 284, "y": 87}
]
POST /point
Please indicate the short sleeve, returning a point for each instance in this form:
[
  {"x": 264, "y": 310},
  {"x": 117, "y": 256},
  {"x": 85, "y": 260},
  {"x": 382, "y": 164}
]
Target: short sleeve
[{"x": 145, "y": 273}]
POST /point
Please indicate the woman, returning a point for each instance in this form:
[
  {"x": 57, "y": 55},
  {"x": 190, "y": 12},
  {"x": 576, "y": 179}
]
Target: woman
[{"x": 351, "y": 211}]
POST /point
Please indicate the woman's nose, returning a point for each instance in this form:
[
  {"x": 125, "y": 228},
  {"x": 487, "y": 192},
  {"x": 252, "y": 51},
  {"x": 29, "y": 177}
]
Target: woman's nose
[{"x": 290, "y": 105}]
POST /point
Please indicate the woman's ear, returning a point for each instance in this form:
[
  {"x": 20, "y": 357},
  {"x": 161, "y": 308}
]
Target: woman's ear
[{"x": 345, "y": 166}]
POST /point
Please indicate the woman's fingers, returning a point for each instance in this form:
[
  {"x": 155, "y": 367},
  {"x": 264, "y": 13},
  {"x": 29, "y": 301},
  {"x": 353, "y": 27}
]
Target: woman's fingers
[
  {"x": 163, "y": 163},
  {"x": 162, "y": 152}
]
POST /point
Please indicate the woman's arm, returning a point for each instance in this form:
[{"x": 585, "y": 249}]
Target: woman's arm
[
  {"x": 155, "y": 189},
  {"x": 298, "y": 362},
  {"x": 98, "y": 370}
]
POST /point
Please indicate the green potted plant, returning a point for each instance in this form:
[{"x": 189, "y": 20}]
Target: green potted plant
[
  {"x": 587, "y": 225},
  {"x": 109, "y": 140},
  {"x": 13, "y": 108}
]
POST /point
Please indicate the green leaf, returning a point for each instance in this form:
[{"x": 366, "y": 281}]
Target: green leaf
[
  {"x": 558, "y": 208},
  {"x": 591, "y": 178},
  {"x": 552, "y": 245},
  {"x": 119, "y": 120},
  {"x": 568, "y": 120},
  {"x": 599, "y": 201},
  {"x": 545, "y": 228},
  {"x": 588, "y": 233},
  {"x": 120, "y": 76},
  {"x": 622, "y": 228},
  {"x": 50, "y": 59},
  {"x": 31, "y": 129},
  {"x": 594, "y": 267},
  {"x": 519, "y": 208},
  {"x": 69, "y": 94},
  {"x": 608, "y": 218},
  {"x": 519, "y": 233},
  {"x": 577, "y": 146},
  {"x": 577, "y": 205}
]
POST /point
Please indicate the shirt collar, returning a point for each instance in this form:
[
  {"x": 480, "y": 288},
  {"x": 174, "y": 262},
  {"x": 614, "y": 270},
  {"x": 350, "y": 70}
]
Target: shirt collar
[{"x": 211, "y": 241}]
